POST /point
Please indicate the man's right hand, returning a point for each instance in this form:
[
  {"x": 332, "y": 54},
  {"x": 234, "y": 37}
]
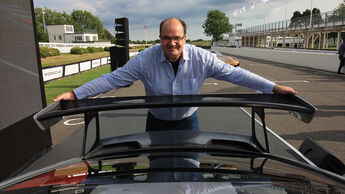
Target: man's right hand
[{"x": 65, "y": 96}]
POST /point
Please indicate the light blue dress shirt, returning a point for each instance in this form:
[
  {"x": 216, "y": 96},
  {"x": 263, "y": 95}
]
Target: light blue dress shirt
[{"x": 155, "y": 71}]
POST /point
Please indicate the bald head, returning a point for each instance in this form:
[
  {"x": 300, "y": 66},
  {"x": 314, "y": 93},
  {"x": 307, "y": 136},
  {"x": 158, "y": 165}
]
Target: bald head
[
  {"x": 172, "y": 20},
  {"x": 172, "y": 37}
]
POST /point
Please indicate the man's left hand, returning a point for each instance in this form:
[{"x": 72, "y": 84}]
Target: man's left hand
[{"x": 283, "y": 90}]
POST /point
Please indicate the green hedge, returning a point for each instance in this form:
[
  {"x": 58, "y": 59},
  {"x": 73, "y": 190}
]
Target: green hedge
[
  {"x": 94, "y": 49},
  {"x": 79, "y": 51},
  {"x": 48, "y": 52}
]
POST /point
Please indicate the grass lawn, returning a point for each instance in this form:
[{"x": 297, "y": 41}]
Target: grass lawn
[
  {"x": 71, "y": 58},
  {"x": 56, "y": 87},
  {"x": 201, "y": 43}
]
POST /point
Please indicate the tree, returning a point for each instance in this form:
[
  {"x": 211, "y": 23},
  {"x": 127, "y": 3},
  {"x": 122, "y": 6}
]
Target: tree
[
  {"x": 305, "y": 19},
  {"x": 216, "y": 24},
  {"x": 301, "y": 19},
  {"x": 42, "y": 36},
  {"x": 81, "y": 19},
  {"x": 50, "y": 17},
  {"x": 338, "y": 13},
  {"x": 306, "y": 13},
  {"x": 295, "y": 19},
  {"x": 106, "y": 35},
  {"x": 333, "y": 35},
  {"x": 84, "y": 20},
  {"x": 317, "y": 18}
]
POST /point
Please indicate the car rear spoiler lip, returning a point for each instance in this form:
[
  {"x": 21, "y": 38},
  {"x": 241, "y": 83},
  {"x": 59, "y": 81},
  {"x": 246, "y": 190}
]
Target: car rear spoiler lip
[{"x": 54, "y": 112}]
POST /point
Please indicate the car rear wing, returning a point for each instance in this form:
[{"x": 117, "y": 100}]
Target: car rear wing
[{"x": 299, "y": 108}]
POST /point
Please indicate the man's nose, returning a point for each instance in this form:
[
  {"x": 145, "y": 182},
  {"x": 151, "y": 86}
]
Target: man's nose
[{"x": 171, "y": 41}]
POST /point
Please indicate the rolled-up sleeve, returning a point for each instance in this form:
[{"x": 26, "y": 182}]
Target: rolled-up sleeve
[
  {"x": 219, "y": 70},
  {"x": 123, "y": 76}
]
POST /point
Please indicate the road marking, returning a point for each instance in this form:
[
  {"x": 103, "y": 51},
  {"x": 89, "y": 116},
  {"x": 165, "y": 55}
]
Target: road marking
[
  {"x": 215, "y": 84},
  {"x": 99, "y": 96},
  {"x": 305, "y": 81},
  {"x": 76, "y": 121},
  {"x": 292, "y": 51},
  {"x": 107, "y": 97}
]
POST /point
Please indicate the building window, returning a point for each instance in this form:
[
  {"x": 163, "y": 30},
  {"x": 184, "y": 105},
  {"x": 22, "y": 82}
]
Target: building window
[
  {"x": 60, "y": 37},
  {"x": 87, "y": 38},
  {"x": 54, "y": 37},
  {"x": 94, "y": 38},
  {"x": 78, "y": 38},
  {"x": 69, "y": 28}
]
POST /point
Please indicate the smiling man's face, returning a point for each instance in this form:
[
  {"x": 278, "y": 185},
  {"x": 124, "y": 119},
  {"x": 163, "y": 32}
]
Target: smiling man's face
[{"x": 172, "y": 39}]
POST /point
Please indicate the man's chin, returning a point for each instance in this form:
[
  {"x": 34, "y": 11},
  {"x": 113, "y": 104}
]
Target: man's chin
[
  {"x": 172, "y": 57},
  {"x": 174, "y": 53}
]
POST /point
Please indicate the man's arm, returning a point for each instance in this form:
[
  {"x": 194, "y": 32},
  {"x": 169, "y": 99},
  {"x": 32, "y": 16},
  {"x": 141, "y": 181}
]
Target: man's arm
[
  {"x": 125, "y": 75},
  {"x": 222, "y": 71}
]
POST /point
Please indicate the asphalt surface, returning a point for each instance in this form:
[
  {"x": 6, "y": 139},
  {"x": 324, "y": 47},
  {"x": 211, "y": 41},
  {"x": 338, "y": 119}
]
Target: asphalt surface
[
  {"x": 324, "y": 90},
  {"x": 313, "y": 59}
]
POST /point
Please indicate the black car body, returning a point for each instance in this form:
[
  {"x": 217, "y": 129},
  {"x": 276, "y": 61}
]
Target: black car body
[{"x": 181, "y": 161}]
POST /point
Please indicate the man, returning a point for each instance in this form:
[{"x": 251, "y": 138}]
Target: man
[
  {"x": 341, "y": 53},
  {"x": 173, "y": 68}
]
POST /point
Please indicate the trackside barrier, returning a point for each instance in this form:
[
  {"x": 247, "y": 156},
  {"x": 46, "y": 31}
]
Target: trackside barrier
[{"x": 56, "y": 72}]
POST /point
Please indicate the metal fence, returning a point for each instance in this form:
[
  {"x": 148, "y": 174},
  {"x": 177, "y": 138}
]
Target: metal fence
[
  {"x": 66, "y": 47},
  {"x": 327, "y": 19}
]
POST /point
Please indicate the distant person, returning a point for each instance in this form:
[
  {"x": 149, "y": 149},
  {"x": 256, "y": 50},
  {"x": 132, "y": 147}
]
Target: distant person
[
  {"x": 341, "y": 53},
  {"x": 173, "y": 68}
]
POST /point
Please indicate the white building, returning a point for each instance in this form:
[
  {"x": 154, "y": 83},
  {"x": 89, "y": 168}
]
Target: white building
[
  {"x": 235, "y": 40},
  {"x": 277, "y": 41},
  {"x": 65, "y": 34}
]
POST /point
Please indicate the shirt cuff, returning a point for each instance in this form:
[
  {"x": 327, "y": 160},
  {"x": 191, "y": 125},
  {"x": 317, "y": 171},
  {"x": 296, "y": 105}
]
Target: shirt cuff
[{"x": 74, "y": 96}]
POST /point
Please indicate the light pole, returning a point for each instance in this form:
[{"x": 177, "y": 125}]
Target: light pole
[
  {"x": 264, "y": 1},
  {"x": 286, "y": 21},
  {"x": 44, "y": 22},
  {"x": 285, "y": 10},
  {"x": 264, "y": 17},
  {"x": 145, "y": 27},
  {"x": 311, "y": 13}
]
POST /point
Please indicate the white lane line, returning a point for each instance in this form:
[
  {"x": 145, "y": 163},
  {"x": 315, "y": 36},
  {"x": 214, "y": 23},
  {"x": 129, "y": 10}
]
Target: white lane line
[
  {"x": 215, "y": 84},
  {"x": 293, "y": 51},
  {"x": 75, "y": 121},
  {"x": 305, "y": 81},
  {"x": 99, "y": 96}
]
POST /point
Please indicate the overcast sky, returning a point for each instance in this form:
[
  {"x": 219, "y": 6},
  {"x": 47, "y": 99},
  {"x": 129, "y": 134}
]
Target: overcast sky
[{"x": 194, "y": 12}]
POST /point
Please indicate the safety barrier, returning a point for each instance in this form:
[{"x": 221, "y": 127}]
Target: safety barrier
[
  {"x": 56, "y": 72},
  {"x": 66, "y": 47}
]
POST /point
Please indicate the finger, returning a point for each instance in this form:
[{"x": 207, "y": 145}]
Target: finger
[
  {"x": 57, "y": 98},
  {"x": 63, "y": 96},
  {"x": 286, "y": 90},
  {"x": 290, "y": 90}
]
